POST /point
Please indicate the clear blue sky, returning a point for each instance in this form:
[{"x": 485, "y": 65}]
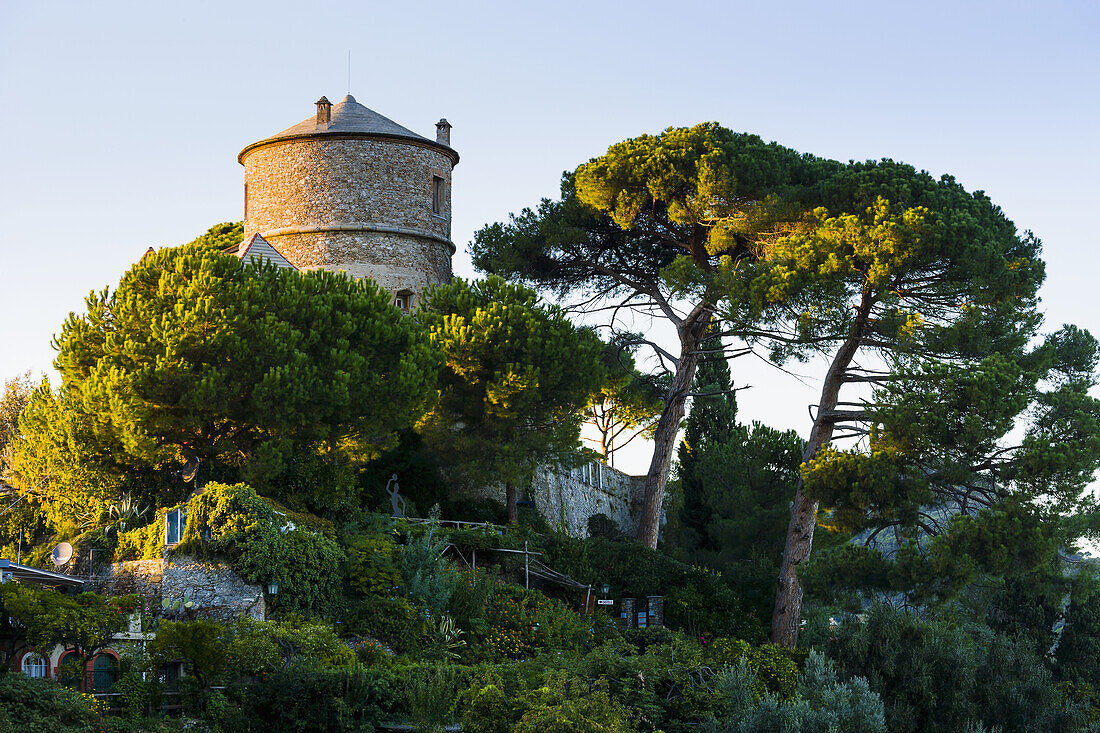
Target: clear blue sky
[{"x": 120, "y": 122}]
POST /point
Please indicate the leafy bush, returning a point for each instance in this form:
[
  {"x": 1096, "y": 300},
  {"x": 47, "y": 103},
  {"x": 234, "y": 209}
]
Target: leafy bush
[
  {"x": 202, "y": 646},
  {"x": 470, "y": 594},
  {"x": 394, "y": 621},
  {"x": 665, "y": 682},
  {"x": 570, "y": 705},
  {"x": 143, "y": 543},
  {"x": 485, "y": 707},
  {"x": 30, "y": 704},
  {"x": 773, "y": 667},
  {"x": 136, "y": 696},
  {"x": 518, "y": 622},
  {"x": 260, "y": 648},
  {"x": 369, "y": 652},
  {"x": 932, "y": 677},
  {"x": 820, "y": 703},
  {"x": 262, "y": 546},
  {"x": 354, "y": 699},
  {"x": 431, "y": 693},
  {"x": 373, "y": 563},
  {"x": 601, "y": 525}
]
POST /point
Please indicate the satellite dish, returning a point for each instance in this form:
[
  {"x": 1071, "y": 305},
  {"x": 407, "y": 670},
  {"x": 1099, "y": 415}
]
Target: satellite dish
[
  {"x": 190, "y": 469},
  {"x": 62, "y": 554}
]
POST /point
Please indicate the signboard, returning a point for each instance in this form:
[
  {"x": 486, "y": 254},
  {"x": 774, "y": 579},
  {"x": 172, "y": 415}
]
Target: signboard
[{"x": 605, "y": 602}]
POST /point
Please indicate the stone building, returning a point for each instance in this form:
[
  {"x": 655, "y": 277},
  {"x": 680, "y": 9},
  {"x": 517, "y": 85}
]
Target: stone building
[{"x": 349, "y": 189}]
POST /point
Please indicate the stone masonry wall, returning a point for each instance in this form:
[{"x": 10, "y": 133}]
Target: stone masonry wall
[
  {"x": 567, "y": 498},
  {"x": 213, "y": 589},
  {"x": 356, "y": 204}
]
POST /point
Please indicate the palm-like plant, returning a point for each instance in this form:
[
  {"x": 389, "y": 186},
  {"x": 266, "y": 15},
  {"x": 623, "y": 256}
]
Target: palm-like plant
[{"x": 125, "y": 512}]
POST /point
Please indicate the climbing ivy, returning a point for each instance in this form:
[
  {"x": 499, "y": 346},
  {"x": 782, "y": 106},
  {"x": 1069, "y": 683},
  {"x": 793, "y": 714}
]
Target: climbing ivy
[{"x": 264, "y": 545}]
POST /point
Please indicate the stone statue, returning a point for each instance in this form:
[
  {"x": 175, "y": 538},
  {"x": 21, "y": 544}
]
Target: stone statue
[{"x": 396, "y": 499}]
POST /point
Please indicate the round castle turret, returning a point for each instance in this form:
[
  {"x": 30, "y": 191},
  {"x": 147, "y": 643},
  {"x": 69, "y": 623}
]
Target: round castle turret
[{"x": 352, "y": 190}]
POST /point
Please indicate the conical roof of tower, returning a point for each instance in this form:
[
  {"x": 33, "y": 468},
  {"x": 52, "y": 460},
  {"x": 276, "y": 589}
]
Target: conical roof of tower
[{"x": 348, "y": 118}]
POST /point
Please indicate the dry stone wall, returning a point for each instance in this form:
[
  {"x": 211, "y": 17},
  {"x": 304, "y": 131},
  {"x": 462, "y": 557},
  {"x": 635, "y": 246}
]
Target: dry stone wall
[{"x": 212, "y": 588}]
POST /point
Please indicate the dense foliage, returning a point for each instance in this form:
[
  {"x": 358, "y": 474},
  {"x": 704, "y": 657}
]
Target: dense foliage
[
  {"x": 735, "y": 482},
  {"x": 516, "y": 375},
  {"x": 198, "y": 355},
  {"x": 266, "y": 545},
  {"x": 83, "y": 624},
  {"x": 30, "y": 704},
  {"x": 945, "y": 598}
]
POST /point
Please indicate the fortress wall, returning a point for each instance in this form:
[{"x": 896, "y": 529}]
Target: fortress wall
[{"x": 568, "y": 497}]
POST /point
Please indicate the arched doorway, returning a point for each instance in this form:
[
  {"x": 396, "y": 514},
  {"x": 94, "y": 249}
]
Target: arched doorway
[
  {"x": 70, "y": 670},
  {"x": 104, "y": 673}
]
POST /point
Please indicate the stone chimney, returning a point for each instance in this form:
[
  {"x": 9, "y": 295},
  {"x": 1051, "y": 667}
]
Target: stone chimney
[
  {"x": 443, "y": 131},
  {"x": 324, "y": 111}
]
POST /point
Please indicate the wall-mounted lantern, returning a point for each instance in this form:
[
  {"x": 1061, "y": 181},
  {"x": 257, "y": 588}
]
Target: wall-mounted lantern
[{"x": 273, "y": 588}]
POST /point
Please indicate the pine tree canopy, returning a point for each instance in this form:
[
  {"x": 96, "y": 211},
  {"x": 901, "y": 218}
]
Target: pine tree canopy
[
  {"x": 517, "y": 375},
  {"x": 920, "y": 297},
  {"x": 196, "y": 354}
]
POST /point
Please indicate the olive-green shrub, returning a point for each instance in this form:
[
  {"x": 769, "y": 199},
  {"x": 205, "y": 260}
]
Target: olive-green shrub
[{"x": 264, "y": 545}]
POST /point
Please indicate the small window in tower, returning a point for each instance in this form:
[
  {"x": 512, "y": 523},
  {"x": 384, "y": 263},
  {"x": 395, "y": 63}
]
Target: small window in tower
[
  {"x": 437, "y": 195},
  {"x": 246, "y": 201},
  {"x": 403, "y": 300}
]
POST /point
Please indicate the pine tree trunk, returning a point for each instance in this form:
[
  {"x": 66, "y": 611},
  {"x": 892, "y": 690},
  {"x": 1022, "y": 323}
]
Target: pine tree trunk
[
  {"x": 511, "y": 500},
  {"x": 787, "y": 616},
  {"x": 664, "y": 438}
]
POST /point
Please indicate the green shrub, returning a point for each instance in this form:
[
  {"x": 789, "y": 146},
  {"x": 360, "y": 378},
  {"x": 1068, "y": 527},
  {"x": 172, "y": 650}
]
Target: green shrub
[
  {"x": 934, "y": 677},
  {"x": 668, "y": 685},
  {"x": 355, "y": 699},
  {"x": 293, "y": 643},
  {"x": 143, "y": 543},
  {"x": 373, "y": 563},
  {"x": 484, "y": 707},
  {"x": 518, "y": 622},
  {"x": 773, "y": 666},
  {"x": 202, "y": 646},
  {"x": 601, "y": 525},
  {"x": 820, "y": 703},
  {"x": 30, "y": 704},
  {"x": 427, "y": 576},
  {"x": 394, "y": 621},
  {"x": 369, "y": 652},
  {"x": 431, "y": 693},
  {"x": 262, "y": 546},
  {"x": 471, "y": 593},
  {"x": 570, "y": 705}
]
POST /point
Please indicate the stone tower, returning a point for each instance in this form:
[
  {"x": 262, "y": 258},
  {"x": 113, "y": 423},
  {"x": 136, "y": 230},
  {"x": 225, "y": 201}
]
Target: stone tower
[{"x": 351, "y": 190}]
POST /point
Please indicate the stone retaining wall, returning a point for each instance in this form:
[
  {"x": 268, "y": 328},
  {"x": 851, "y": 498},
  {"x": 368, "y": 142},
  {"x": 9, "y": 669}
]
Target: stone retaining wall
[
  {"x": 568, "y": 498},
  {"x": 213, "y": 589}
]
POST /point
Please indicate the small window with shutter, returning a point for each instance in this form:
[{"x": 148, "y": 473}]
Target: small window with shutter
[{"x": 437, "y": 195}]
